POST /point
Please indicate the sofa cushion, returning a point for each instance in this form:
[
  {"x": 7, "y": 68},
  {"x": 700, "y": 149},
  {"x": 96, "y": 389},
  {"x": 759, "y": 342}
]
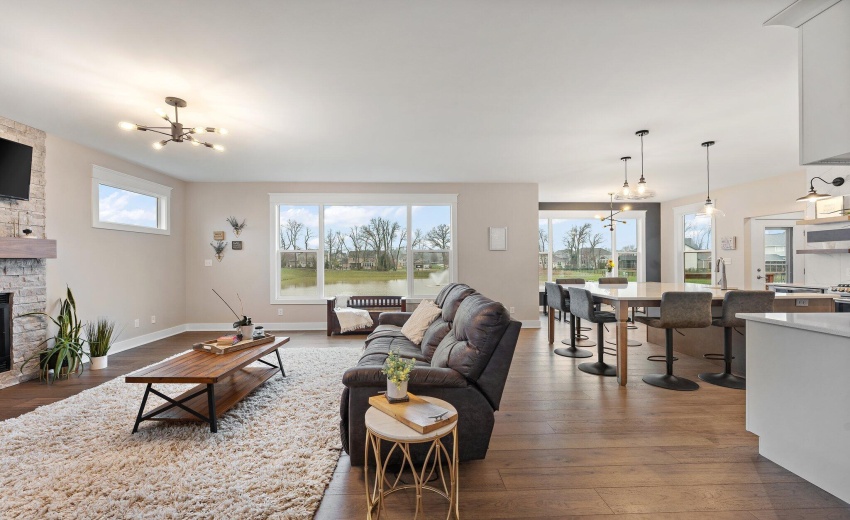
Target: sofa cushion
[
  {"x": 477, "y": 329},
  {"x": 433, "y": 336},
  {"x": 453, "y": 300},
  {"x": 392, "y": 331},
  {"x": 424, "y": 315},
  {"x": 377, "y": 350}
]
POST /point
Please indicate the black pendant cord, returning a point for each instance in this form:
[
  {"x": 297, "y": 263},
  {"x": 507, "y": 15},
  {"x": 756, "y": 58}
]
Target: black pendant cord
[
  {"x": 641, "y": 158},
  {"x": 707, "y": 176}
]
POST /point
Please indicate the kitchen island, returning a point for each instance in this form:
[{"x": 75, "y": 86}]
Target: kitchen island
[{"x": 798, "y": 394}]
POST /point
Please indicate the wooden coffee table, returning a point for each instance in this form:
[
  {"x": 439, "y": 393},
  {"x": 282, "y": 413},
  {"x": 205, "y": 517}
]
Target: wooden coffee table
[{"x": 224, "y": 378}]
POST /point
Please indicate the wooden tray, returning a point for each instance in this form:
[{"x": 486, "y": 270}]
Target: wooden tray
[
  {"x": 416, "y": 413},
  {"x": 213, "y": 348}
]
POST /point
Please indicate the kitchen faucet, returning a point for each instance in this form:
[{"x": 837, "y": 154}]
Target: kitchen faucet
[{"x": 720, "y": 267}]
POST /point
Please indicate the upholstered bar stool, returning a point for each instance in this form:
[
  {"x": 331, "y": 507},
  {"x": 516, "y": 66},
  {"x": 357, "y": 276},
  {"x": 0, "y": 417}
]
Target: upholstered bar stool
[
  {"x": 733, "y": 303},
  {"x": 558, "y": 299},
  {"x": 622, "y": 280},
  {"x": 579, "y": 328},
  {"x": 679, "y": 310},
  {"x": 581, "y": 306}
]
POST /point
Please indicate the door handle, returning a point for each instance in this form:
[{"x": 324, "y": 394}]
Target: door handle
[{"x": 759, "y": 277}]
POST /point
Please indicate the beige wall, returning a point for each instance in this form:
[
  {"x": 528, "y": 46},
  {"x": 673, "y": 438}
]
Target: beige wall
[
  {"x": 508, "y": 276},
  {"x": 755, "y": 199},
  {"x": 118, "y": 274}
]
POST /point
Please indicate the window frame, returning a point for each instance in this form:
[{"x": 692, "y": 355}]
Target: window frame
[
  {"x": 105, "y": 177},
  {"x": 679, "y": 214},
  {"x": 639, "y": 216},
  {"x": 323, "y": 200}
]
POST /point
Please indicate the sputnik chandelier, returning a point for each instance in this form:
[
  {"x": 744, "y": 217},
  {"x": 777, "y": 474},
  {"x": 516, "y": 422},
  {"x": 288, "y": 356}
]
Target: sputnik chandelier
[
  {"x": 610, "y": 222},
  {"x": 176, "y": 131}
]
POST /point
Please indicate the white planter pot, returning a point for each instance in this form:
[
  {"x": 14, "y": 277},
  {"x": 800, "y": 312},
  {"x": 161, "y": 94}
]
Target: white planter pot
[
  {"x": 98, "y": 362},
  {"x": 396, "y": 392},
  {"x": 247, "y": 332}
]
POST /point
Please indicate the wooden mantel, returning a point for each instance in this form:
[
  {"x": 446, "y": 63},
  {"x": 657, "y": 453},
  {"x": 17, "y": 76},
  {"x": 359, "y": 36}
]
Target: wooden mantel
[{"x": 27, "y": 248}]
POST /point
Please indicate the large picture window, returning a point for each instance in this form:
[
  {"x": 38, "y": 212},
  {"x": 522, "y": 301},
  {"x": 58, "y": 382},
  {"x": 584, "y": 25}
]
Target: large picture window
[
  {"x": 576, "y": 244},
  {"x": 697, "y": 241},
  {"x": 376, "y": 245}
]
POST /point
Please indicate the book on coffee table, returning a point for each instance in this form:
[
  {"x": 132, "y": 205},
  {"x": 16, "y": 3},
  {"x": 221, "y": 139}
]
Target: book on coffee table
[{"x": 417, "y": 413}]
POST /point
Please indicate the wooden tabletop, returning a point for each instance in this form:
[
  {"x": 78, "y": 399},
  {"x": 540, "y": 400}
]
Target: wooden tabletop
[
  {"x": 645, "y": 292},
  {"x": 203, "y": 367}
]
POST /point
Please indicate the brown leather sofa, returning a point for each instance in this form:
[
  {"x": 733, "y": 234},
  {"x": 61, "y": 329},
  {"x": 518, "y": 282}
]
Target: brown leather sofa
[{"x": 464, "y": 359}]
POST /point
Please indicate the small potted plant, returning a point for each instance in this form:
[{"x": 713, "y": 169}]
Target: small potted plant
[
  {"x": 99, "y": 335},
  {"x": 65, "y": 355},
  {"x": 610, "y": 265},
  {"x": 219, "y": 246},
  {"x": 243, "y": 325},
  {"x": 397, "y": 371},
  {"x": 237, "y": 227}
]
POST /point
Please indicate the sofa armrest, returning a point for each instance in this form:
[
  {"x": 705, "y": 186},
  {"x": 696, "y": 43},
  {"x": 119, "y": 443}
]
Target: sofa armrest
[
  {"x": 420, "y": 376},
  {"x": 393, "y": 318}
]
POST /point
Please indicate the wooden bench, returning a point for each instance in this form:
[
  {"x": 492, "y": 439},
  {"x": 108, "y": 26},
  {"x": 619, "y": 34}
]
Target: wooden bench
[{"x": 374, "y": 304}]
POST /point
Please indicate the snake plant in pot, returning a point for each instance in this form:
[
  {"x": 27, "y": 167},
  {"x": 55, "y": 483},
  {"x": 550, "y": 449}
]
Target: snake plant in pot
[
  {"x": 63, "y": 352},
  {"x": 100, "y": 335}
]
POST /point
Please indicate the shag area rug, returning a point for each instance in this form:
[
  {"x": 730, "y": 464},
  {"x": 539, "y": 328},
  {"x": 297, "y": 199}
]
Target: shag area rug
[{"x": 272, "y": 457}]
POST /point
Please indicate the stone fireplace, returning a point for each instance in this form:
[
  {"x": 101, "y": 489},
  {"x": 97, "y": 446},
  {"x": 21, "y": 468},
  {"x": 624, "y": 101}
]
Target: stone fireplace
[{"x": 24, "y": 280}]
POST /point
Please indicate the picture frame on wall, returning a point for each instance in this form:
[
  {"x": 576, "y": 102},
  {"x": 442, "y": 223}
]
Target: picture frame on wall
[
  {"x": 498, "y": 238},
  {"x": 236, "y": 245}
]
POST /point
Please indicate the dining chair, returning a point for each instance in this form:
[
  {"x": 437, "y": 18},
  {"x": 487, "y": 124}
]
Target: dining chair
[
  {"x": 582, "y": 306},
  {"x": 558, "y": 298},
  {"x": 579, "y": 328}
]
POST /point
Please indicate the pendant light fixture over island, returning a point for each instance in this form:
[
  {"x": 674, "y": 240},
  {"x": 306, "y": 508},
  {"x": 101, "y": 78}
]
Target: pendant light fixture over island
[{"x": 709, "y": 208}]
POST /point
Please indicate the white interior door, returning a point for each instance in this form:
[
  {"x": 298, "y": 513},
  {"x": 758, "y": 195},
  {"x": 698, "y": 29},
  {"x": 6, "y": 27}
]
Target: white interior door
[{"x": 774, "y": 240}]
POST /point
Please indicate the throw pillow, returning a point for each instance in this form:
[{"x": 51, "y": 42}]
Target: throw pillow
[{"x": 415, "y": 327}]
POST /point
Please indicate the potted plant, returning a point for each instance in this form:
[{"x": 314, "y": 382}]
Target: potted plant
[
  {"x": 243, "y": 325},
  {"x": 397, "y": 371},
  {"x": 99, "y": 335},
  {"x": 237, "y": 227},
  {"x": 65, "y": 356},
  {"x": 219, "y": 246}
]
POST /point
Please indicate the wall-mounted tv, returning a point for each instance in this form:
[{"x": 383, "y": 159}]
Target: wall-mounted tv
[{"x": 15, "y": 169}]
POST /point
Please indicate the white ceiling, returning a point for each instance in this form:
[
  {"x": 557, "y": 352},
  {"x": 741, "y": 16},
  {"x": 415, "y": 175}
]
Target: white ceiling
[{"x": 439, "y": 90}]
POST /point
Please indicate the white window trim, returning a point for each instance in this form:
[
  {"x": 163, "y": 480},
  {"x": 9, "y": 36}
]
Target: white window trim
[
  {"x": 568, "y": 214},
  {"x": 349, "y": 199},
  {"x": 105, "y": 176},
  {"x": 679, "y": 213}
]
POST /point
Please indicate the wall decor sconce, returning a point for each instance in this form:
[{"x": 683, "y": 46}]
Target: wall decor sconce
[
  {"x": 219, "y": 246},
  {"x": 237, "y": 227},
  {"x": 814, "y": 195}
]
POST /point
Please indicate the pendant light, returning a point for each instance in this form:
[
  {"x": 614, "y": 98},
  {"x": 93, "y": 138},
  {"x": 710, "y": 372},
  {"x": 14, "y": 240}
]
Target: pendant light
[
  {"x": 642, "y": 188},
  {"x": 627, "y": 191},
  {"x": 709, "y": 209}
]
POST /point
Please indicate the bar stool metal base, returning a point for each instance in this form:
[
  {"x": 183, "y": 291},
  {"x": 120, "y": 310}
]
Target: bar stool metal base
[
  {"x": 670, "y": 382},
  {"x": 573, "y": 352},
  {"x": 725, "y": 380},
  {"x": 598, "y": 369}
]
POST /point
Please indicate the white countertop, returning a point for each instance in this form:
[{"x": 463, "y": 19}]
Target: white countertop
[
  {"x": 832, "y": 323},
  {"x": 804, "y": 285}
]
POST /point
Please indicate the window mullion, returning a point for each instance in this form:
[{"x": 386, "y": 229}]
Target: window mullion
[
  {"x": 409, "y": 252},
  {"x": 320, "y": 253}
]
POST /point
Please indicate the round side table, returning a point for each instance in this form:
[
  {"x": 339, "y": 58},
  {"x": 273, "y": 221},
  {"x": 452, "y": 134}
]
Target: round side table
[{"x": 381, "y": 427}]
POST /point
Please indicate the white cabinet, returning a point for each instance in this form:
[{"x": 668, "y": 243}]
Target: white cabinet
[{"x": 825, "y": 87}]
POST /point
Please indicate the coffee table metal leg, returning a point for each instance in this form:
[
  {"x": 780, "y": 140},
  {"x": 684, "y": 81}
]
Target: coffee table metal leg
[
  {"x": 142, "y": 408},
  {"x": 280, "y": 363},
  {"x": 211, "y": 401}
]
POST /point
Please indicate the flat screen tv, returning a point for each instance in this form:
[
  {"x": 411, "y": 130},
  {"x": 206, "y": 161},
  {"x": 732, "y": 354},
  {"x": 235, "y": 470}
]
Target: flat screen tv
[{"x": 15, "y": 169}]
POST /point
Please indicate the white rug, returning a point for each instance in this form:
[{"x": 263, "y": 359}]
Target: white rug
[{"x": 272, "y": 457}]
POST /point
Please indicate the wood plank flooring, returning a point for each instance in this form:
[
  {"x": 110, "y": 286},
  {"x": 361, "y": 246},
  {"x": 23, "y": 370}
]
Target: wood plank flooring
[{"x": 566, "y": 444}]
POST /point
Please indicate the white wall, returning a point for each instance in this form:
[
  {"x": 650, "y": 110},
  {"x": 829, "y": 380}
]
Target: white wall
[
  {"x": 118, "y": 274},
  {"x": 754, "y": 199},
  {"x": 507, "y": 276}
]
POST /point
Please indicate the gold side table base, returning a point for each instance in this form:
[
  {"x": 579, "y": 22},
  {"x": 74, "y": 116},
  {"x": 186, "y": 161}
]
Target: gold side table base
[{"x": 437, "y": 454}]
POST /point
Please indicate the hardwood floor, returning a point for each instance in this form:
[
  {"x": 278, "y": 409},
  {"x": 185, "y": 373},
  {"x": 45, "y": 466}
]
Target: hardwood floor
[{"x": 566, "y": 445}]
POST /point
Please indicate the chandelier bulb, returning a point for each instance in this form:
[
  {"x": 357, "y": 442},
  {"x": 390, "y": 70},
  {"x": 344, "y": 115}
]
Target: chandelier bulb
[
  {"x": 124, "y": 125},
  {"x": 199, "y": 130},
  {"x": 222, "y": 131},
  {"x": 160, "y": 144},
  {"x": 218, "y": 148}
]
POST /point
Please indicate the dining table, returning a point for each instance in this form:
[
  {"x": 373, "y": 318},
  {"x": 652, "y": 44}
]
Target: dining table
[{"x": 623, "y": 297}]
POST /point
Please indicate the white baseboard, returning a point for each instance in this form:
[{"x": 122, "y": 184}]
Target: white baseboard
[
  {"x": 530, "y": 324},
  {"x": 127, "y": 344},
  {"x": 308, "y": 325}
]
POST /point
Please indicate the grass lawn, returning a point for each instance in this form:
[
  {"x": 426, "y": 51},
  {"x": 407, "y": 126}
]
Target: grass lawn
[{"x": 293, "y": 276}]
